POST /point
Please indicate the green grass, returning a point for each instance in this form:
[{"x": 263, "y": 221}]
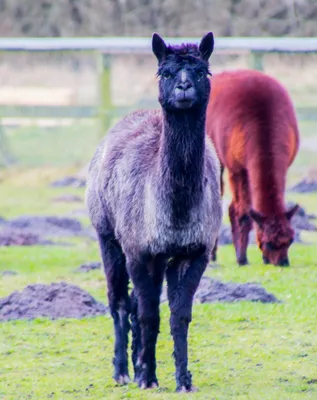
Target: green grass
[
  {"x": 59, "y": 146},
  {"x": 242, "y": 351},
  {"x": 237, "y": 351}
]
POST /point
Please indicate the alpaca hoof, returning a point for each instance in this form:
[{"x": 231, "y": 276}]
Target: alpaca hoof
[
  {"x": 122, "y": 380},
  {"x": 266, "y": 261},
  {"x": 153, "y": 385},
  {"x": 183, "y": 389},
  {"x": 243, "y": 261}
]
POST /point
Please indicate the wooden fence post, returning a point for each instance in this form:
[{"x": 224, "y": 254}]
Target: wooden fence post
[
  {"x": 105, "y": 103},
  {"x": 256, "y": 60},
  {"x": 6, "y": 157}
]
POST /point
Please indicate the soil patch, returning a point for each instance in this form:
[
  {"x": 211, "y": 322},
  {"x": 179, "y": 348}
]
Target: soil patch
[
  {"x": 90, "y": 266},
  {"x": 57, "y": 300},
  {"x": 58, "y": 226},
  {"x": 14, "y": 237},
  {"x": 225, "y": 235},
  {"x": 33, "y": 230},
  {"x": 71, "y": 181},
  {"x": 211, "y": 291},
  {"x": 301, "y": 220},
  {"x": 69, "y": 198},
  {"x": 307, "y": 185},
  {"x": 8, "y": 273}
]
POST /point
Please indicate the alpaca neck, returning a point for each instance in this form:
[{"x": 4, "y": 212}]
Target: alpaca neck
[
  {"x": 268, "y": 196},
  {"x": 182, "y": 161}
]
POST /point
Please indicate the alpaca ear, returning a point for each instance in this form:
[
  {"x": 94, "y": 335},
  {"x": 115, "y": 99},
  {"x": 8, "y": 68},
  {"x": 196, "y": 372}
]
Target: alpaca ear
[
  {"x": 206, "y": 46},
  {"x": 257, "y": 217},
  {"x": 290, "y": 213},
  {"x": 158, "y": 47}
]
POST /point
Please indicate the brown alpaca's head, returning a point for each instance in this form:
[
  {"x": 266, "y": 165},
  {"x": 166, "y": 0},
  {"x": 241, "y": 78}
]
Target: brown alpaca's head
[{"x": 274, "y": 236}]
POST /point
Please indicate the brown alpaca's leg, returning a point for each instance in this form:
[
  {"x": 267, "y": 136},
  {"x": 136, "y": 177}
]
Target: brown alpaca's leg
[
  {"x": 239, "y": 215},
  {"x": 119, "y": 302},
  {"x": 232, "y": 210},
  {"x": 147, "y": 276},
  {"x": 214, "y": 250},
  {"x": 182, "y": 284}
]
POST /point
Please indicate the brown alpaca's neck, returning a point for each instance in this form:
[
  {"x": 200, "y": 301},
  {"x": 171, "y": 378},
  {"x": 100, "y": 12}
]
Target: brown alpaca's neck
[{"x": 267, "y": 190}]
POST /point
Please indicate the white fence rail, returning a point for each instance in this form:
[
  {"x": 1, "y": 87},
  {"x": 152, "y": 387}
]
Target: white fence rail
[
  {"x": 104, "y": 47},
  {"x": 119, "y": 45}
]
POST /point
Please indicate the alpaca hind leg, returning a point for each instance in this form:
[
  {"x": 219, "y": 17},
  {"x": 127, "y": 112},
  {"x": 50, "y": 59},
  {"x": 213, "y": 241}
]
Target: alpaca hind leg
[
  {"x": 183, "y": 278},
  {"x": 119, "y": 302},
  {"x": 147, "y": 276}
]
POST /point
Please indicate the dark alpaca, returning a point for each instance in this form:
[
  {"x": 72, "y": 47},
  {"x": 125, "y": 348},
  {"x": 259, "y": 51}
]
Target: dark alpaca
[
  {"x": 252, "y": 123},
  {"x": 153, "y": 193}
]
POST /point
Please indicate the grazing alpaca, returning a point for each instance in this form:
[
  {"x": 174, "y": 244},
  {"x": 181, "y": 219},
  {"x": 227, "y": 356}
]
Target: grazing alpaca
[
  {"x": 153, "y": 195},
  {"x": 252, "y": 122}
]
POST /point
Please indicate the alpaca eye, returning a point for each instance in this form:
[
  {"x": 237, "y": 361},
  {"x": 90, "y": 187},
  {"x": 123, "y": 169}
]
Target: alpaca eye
[
  {"x": 272, "y": 246},
  {"x": 200, "y": 75},
  {"x": 166, "y": 75}
]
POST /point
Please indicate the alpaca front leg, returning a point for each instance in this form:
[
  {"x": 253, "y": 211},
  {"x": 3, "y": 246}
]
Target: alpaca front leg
[
  {"x": 245, "y": 226},
  {"x": 147, "y": 277},
  {"x": 234, "y": 225},
  {"x": 181, "y": 293},
  {"x": 136, "y": 336}
]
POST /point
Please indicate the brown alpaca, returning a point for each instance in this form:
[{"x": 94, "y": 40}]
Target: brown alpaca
[{"x": 251, "y": 120}]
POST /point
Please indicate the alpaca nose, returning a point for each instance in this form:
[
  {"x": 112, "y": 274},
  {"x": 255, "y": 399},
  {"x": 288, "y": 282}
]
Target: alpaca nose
[
  {"x": 184, "y": 85},
  {"x": 283, "y": 262}
]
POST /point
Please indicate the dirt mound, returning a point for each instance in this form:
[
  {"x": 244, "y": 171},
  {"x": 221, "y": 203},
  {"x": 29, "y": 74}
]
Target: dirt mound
[
  {"x": 305, "y": 186},
  {"x": 69, "y": 198},
  {"x": 69, "y": 181},
  {"x": 301, "y": 220},
  {"x": 30, "y": 229},
  {"x": 57, "y": 300},
  {"x": 225, "y": 235},
  {"x": 46, "y": 223},
  {"x": 14, "y": 237},
  {"x": 90, "y": 266},
  {"x": 8, "y": 273},
  {"x": 211, "y": 291}
]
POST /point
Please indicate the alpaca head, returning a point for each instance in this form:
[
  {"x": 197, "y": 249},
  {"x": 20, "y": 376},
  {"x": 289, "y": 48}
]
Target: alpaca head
[
  {"x": 183, "y": 72},
  {"x": 274, "y": 236}
]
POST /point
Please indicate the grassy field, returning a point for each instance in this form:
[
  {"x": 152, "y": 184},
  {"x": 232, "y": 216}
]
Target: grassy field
[{"x": 237, "y": 351}]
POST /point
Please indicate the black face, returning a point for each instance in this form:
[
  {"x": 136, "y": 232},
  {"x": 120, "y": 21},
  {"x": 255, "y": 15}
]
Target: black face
[
  {"x": 183, "y": 84},
  {"x": 183, "y": 72}
]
